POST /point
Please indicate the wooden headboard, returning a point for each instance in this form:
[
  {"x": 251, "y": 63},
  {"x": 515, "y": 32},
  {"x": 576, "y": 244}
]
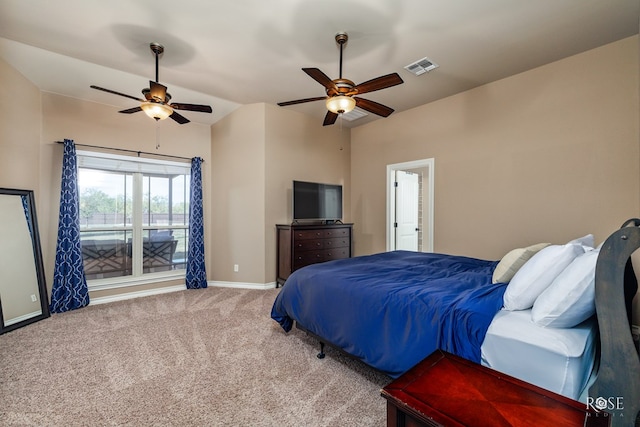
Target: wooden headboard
[{"x": 617, "y": 387}]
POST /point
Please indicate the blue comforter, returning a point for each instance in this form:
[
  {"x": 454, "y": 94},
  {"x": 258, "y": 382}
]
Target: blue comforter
[{"x": 393, "y": 309}]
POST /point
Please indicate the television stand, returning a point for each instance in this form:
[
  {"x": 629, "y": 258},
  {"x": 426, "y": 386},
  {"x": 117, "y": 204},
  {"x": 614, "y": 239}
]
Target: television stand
[
  {"x": 300, "y": 245},
  {"x": 318, "y": 222},
  {"x": 332, "y": 221}
]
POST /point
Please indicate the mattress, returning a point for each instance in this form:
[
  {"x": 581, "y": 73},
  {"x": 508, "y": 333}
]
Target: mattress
[{"x": 562, "y": 360}]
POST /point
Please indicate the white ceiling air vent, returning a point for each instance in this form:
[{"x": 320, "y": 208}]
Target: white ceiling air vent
[
  {"x": 354, "y": 114},
  {"x": 422, "y": 66}
]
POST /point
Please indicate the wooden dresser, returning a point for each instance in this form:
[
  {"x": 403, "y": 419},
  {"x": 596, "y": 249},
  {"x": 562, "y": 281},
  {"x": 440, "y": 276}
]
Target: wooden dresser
[
  {"x": 304, "y": 244},
  {"x": 447, "y": 390}
]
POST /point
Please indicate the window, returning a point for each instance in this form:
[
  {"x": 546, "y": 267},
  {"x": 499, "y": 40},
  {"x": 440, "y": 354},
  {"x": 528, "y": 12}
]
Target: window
[{"x": 134, "y": 217}]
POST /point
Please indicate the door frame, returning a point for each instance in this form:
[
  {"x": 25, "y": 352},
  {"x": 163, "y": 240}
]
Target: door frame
[{"x": 427, "y": 219}]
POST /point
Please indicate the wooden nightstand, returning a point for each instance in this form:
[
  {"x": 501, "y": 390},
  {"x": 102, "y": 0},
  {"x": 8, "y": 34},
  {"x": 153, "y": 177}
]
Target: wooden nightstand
[{"x": 446, "y": 390}]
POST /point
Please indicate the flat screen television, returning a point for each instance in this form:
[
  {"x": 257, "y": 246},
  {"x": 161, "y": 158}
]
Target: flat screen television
[{"x": 316, "y": 201}]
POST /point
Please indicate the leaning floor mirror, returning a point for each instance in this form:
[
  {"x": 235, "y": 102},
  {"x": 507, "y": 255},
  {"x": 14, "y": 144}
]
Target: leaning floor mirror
[{"x": 23, "y": 292}]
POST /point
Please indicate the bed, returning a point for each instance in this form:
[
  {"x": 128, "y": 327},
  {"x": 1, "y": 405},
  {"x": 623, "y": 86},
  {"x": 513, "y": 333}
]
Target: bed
[{"x": 393, "y": 309}]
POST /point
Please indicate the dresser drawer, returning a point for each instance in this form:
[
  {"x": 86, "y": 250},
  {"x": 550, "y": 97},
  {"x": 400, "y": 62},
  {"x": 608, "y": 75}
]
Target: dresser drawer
[
  {"x": 304, "y": 258},
  {"x": 308, "y": 245},
  {"x": 321, "y": 233},
  {"x": 337, "y": 232},
  {"x": 337, "y": 253},
  {"x": 318, "y": 244},
  {"x": 308, "y": 234},
  {"x": 339, "y": 242}
]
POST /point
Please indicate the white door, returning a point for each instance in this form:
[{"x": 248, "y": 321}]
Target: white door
[{"x": 407, "y": 206}]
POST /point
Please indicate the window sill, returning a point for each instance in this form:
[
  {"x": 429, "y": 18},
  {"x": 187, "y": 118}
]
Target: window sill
[{"x": 124, "y": 282}]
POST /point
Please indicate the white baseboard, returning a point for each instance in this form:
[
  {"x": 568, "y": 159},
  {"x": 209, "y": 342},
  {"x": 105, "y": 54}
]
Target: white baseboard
[
  {"x": 136, "y": 294},
  {"x": 167, "y": 289},
  {"x": 242, "y": 285},
  {"x": 27, "y": 316}
]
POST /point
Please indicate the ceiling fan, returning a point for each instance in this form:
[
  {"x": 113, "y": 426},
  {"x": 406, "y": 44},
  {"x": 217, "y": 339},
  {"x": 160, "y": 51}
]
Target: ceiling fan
[
  {"x": 156, "y": 103},
  {"x": 341, "y": 92}
]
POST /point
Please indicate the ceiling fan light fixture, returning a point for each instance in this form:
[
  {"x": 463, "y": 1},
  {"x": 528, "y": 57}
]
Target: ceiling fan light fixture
[
  {"x": 156, "y": 110},
  {"x": 340, "y": 104}
]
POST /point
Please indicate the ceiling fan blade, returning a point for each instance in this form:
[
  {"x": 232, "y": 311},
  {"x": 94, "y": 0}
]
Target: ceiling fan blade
[
  {"x": 192, "y": 107},
  {"x": 321, "y": 78},
  {"x": 131, "y": 110},
  {"x": 179, "y": 118},
  {"x": 158, "y": 91},
  {"x": 300, "y": 101},
  {"x": 116, "y": 93},
  {"x": 373, "y": 107},
  {"x": 378, "y": 83},
  {"x": 329, "y": 118}
]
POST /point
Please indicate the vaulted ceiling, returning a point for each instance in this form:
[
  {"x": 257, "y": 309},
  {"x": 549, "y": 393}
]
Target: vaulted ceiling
[{"x": 230, "y": 53}]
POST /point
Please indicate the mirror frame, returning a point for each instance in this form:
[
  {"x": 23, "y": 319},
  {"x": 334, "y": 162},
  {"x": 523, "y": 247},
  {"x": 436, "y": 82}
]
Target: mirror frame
[{"x": 37, "y": 257}]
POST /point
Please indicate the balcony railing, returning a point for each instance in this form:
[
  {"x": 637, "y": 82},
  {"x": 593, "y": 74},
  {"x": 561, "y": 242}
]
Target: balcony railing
[{"x": 112, "y": 257}]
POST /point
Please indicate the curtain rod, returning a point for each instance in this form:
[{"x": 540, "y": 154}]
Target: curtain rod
[{"x": 130, "y": 151}]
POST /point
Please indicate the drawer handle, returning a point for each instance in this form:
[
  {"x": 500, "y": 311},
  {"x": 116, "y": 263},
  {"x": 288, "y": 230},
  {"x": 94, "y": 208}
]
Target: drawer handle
[{"x": 318, "y": 244}]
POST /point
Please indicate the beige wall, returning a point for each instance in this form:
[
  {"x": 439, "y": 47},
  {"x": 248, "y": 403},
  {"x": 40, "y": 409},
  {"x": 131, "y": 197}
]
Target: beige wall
[
  {"x": 547, "y": 155},
  {"x": 300, "y": 148},
  {"x": 20, "y": 128},
  {"x": 96, "y": 124},
  {"x": 237, "y": 189},
  {"x": 257, "y": 151}
]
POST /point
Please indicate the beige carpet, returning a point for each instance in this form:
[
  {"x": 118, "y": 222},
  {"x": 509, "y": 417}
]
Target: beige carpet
[{"x": 209, "y": 357}]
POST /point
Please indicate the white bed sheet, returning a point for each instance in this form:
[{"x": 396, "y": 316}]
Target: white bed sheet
[{"x": 560, "y": 360}]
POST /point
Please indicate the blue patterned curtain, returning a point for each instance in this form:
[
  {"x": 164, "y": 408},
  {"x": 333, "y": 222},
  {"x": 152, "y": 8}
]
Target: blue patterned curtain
[
  {"x": 69, "y": 282},
  {"x": 196, "y": 277},
  {"x": 27, "y": 215}
]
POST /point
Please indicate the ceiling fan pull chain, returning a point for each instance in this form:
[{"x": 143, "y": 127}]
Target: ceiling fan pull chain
[
  {"x": 157, "y": 135},
  {"x": 341, "y": 135}
]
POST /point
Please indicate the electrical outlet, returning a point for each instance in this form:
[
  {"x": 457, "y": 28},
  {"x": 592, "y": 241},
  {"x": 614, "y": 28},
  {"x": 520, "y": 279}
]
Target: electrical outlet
[
  {"x": 34, "y": 298},
  {"x": 236, "y": 268}
]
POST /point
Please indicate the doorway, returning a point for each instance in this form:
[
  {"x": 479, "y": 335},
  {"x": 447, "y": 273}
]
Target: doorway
[{"x": 410, "y": 205}]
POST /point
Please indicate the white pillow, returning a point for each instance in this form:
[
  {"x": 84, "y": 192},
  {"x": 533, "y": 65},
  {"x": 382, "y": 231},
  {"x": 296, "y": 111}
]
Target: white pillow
[
  {"x": 537, "y": 274},
  {"x": 570, "y": 299},
  {"x": 513, "y": 261},
  {"x": 587, "y": 241}
]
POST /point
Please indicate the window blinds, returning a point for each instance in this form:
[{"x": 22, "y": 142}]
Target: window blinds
[{"x": 120, "y": 163}]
